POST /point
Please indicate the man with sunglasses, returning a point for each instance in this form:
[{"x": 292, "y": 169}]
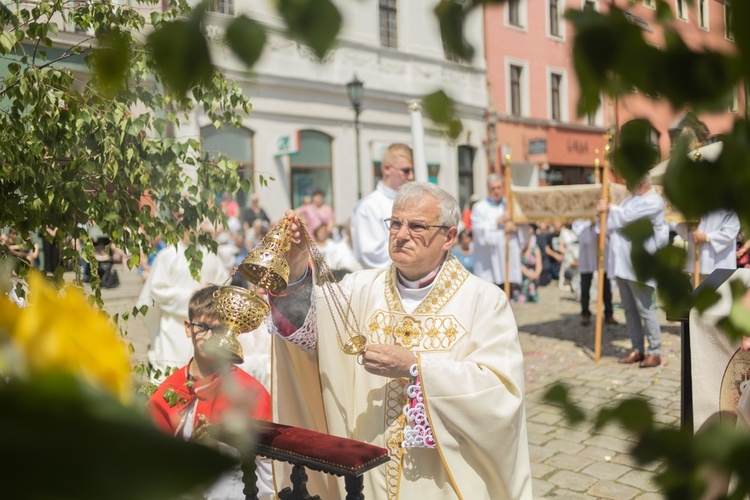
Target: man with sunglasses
[
  {"x": 440, "y": 383},
  {"x": 369, "y": 235}
]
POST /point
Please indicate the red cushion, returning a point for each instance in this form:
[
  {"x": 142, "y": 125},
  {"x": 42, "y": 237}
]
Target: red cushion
[{"x": 318, "y": 451}]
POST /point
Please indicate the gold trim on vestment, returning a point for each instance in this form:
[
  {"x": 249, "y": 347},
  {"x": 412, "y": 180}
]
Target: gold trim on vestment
[
  {"x": 418, "y": 333},
  {"x": 449, "y": 280}
]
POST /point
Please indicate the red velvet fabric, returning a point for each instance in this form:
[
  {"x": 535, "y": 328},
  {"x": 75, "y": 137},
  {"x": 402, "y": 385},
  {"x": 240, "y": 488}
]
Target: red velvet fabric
[{"x": 324, "y": 449}]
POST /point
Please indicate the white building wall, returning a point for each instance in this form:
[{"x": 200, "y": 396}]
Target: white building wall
[{"x": 290, "y": 91}]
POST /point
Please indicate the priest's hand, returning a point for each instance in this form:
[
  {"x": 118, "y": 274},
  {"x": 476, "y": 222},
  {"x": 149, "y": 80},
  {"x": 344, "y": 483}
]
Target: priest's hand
[
  {"x": 602, "y": 206},
  {"x": 298, "y": 254},
  {"x": 391, "y": 361}
]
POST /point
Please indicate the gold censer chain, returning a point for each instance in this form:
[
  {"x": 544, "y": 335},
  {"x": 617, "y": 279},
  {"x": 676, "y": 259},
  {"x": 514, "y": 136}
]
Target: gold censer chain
[{"x": 336, "y": 301}]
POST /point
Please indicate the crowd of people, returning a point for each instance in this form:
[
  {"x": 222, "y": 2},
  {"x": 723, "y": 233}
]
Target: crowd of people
[{"x": 425, "y": 280}]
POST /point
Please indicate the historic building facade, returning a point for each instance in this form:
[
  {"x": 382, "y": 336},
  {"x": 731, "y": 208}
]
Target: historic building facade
[
  {"x": 534, "y": 90},
  {"x": 300, "y": 135}
]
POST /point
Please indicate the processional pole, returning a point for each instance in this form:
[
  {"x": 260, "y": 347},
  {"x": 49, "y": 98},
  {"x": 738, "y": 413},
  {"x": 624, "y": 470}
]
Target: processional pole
[
  {"x": 696, "y": 246},
  {"x": 509, "y": 212},
  {"x": 601, "y": 249},
  {"x": 696, "y": 261}
]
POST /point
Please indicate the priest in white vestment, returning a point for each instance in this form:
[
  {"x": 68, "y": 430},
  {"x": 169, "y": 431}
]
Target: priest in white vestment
[
  {"x": 441, "y": 381},
  {"x": 489, "y": 222},
  {"x": 369, "y": 234},
  {"x": 638, "y": 298},
  {"x": 717, "y": 236},
  {"x": 167, "y": 292}
]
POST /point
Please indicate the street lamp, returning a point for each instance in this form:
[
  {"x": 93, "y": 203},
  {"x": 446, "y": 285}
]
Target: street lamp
[{"x": 355, "y": 91}]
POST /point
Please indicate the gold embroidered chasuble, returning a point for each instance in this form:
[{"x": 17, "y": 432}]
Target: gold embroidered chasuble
[{"x": 471, "y": 370}]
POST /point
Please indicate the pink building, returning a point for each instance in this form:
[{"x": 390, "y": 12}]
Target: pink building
[{"x": 534, "y": 91}]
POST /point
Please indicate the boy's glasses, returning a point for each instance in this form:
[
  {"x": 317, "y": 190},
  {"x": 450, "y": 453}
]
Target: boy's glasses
[{"x": 202, "y": 328}]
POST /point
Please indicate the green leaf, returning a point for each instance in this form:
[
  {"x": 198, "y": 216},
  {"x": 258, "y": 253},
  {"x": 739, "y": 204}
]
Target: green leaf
[
  {"x": 171, "y": 397},
  {"x": 314, "y": 22},
  {"x": 7, "y": 16},
  {"x": 634, "y": 155},
  {"x": 439, "y": 108},
  {"x": 452, "y": 17},
  {"x": 180, "y": 52},
  {"x": 246, "y": 37},
  {"x": 634, "y": 414},
  {"x": 102, "y": 442},
  {"x": 557, "y": 395},
  {"x": 705, "y": 298},
  {"x": 160, "y": 125},
  {"x": 7, "y": 42},
  {"x": 638, "y": 231},
  {"x": 737, "y": 324}
]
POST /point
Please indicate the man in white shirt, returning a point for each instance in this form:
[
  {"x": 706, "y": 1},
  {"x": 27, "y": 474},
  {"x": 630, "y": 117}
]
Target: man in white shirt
[
  {"x": 490, "y": 223},
  {"x": 637, "y": 298},
  {"x": 588, "y": 238},
  {"x": 369, "y": 232},
  {"x": 717, "y": 236}
]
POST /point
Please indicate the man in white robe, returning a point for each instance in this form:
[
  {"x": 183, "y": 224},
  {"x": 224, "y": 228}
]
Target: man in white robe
[
  {"x": 441, "y": 381},
  {"x": 369, "y": 234},
  {"x": 717, "y": 236},
  {"x": 490, "y": 222},
  {"x": 587, "y": 233},
  {"x": 638, "y": 299},
  {"x": 167, "y": 292}
]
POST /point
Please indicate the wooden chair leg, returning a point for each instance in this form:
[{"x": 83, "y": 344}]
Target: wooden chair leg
[{"x": 354, "y": 487}]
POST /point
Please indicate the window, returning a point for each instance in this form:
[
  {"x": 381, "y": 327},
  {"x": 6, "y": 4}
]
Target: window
[
  {"x": 554, "y": 19},
  {"x": 703, "y": 14},
  {"x": 728, "y": 18},
  {"x": 557, "y": 95},
  {"x": 514, "y": 16},
  {"x": 516, "y": 73},
  {"x": 221, "y": 6},
  {"x": 311, "y": 168},
  {"x": 555, "y": 105},
  {"x": 388, "y": 23},
  {"x": 234, "y": 143},
  {"x": 466, "y": 156},
  {"x": 681, "y": 10},
  {"x": 565, "y": 176},
  {"x": 515, "y": 13}
]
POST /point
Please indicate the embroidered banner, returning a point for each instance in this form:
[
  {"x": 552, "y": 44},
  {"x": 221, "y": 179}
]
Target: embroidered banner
[{"x": 568, "y": 203}]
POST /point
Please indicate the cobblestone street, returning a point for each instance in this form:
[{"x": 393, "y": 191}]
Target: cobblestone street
[{"x": 567, "y": 461}]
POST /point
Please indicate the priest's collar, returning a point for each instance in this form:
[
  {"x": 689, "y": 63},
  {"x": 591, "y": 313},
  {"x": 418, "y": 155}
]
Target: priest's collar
[{"x": 420, "y": 283}]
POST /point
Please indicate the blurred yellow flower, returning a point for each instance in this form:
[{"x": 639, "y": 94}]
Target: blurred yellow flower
[{"x": 63, "y": 331}]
